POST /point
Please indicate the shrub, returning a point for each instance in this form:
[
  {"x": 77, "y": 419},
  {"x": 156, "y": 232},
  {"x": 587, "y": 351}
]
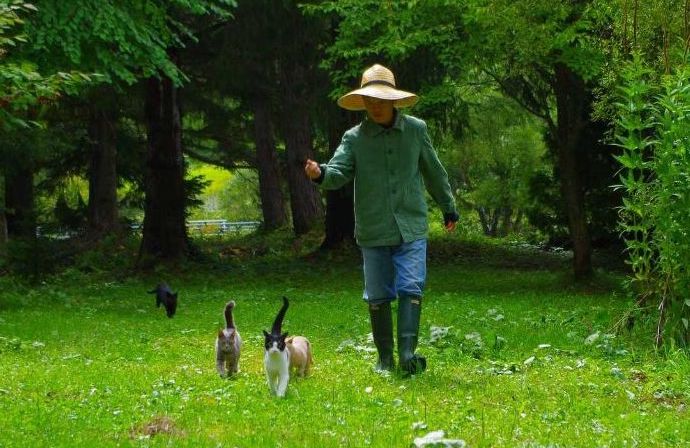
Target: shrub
[{"x": 653, "y": 130}]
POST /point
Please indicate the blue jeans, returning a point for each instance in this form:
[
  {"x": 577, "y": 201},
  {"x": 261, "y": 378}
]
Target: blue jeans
[{"x": 390, "y": 271}]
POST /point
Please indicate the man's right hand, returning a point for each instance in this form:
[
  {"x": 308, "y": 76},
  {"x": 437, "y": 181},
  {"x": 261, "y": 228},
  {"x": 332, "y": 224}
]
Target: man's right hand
[
  {"x": 450, "y": 220},
  {"x": 312, "y": 169}
]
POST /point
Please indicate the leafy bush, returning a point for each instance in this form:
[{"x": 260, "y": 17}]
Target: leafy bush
[
  {"x": 33, "y": 258},
  {"x": 652, "y": 129}
]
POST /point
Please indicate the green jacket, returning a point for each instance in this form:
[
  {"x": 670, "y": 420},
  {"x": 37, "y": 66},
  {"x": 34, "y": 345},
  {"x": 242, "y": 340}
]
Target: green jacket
[{"x": 390, "y": 168}]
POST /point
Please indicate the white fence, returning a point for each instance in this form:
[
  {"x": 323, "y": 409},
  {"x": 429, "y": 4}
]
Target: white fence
[
  {"x": 200, "y": 227},
  {"x": 222, "y": 226},
  {"x": 215, "y": 226}
]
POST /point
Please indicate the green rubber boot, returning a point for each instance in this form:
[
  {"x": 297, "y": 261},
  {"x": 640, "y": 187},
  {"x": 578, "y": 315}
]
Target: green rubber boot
[
  {"x": 409, "y": 311},
  {"x": 382, "y": 329}
]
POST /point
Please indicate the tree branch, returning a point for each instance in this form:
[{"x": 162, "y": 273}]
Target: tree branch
[
  {"x": 228, "y": 165},
  {"x": 529, "y": 103}
]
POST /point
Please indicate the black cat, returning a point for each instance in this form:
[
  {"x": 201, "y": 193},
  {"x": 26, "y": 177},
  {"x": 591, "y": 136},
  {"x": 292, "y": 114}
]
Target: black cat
[{"x": 165, "y": 296}]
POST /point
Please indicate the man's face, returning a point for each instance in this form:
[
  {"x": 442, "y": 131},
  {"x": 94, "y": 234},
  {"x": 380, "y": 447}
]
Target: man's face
[{"x": 379, "y": 111}]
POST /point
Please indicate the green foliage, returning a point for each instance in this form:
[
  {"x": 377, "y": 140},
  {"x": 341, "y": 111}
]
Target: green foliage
[
  {"x": 420, "y": 41},
  {"x": 24, "y": 92},
  {"x": 232, "y": 196},
  {"x": 34, "y": 258},
  {"x": 124, "y": 42},
  {"x": 657, "y": 31},
  {"x": 70, "y": 217},
  {"x": 652, "y": 131},
  {"x": 500, "y": 152},
  {"x": 527, "y": 38},
  {"x": 194, "y": 185}
]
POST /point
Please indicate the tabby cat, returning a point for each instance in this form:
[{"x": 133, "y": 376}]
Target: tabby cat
[{"x": 228, "y": 345}]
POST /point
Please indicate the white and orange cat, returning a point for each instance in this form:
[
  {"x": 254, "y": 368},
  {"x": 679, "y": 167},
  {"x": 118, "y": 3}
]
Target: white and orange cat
[
  {"x": 300, "y": 355},
  {"x": 228, "y": 345}
]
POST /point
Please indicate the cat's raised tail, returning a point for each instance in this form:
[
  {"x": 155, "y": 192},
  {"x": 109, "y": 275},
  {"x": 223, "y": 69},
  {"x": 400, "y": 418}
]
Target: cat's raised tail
[
  {"x": 229, "y": 322},
  {"x": 278, "y": 323}
]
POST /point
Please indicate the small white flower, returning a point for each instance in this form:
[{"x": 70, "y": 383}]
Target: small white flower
[
  {"x": 592, "y": 338},
  {"x": 435, "y": 438},
  {"x": 369, "y": 389}
]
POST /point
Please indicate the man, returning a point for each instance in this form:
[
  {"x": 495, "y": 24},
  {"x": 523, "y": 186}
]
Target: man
[{"x": 390, "y": 158}]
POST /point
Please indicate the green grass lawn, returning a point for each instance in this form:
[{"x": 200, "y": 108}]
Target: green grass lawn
[{"x": 519, "y": 356}]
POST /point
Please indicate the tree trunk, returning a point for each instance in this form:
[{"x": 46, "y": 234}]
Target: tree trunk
[
  {"x": 571, "y": 104},
  {"x": 102, "y": 207},
  {"x": 272, "y": 200},
  {"x": 507, "y": 222},
  {"x": 3, "y": 219},
  {"x": 493, "y": 227},
  {"x": 489, "y": 220},
  {"x": 3, "y": 234},
  {"x": 164, "y": 233},
  {"x": 19, "y": 201},
  {"x": 517, "y": 222},
  {"x": 340, "y": 207},
  {"x": 483, "y": 219},
  {"x": 340, "y": 217},
  {"x": 305, "y": 201}
]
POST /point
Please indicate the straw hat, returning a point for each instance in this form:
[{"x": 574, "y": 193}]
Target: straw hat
[{"x": 377, "y": 82}]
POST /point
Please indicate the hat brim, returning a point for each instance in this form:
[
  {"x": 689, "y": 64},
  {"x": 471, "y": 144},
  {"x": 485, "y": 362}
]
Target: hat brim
[{"x": 354, "y": 100}]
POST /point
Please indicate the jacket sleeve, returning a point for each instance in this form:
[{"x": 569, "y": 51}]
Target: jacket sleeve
[
  {"x": 341, "y": 168},
  {"x": 434, "y": 174}
]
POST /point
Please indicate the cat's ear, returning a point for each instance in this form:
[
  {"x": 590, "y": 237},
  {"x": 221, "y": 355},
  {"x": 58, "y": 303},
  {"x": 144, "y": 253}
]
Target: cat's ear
[
  {"x": 220, "y": 333},
  {"x": 265, "y": 333},
  {"x": 284, "y": 335}
]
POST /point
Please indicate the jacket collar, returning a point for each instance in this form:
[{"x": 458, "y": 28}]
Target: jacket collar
[{"x": 373, "y": 129}]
